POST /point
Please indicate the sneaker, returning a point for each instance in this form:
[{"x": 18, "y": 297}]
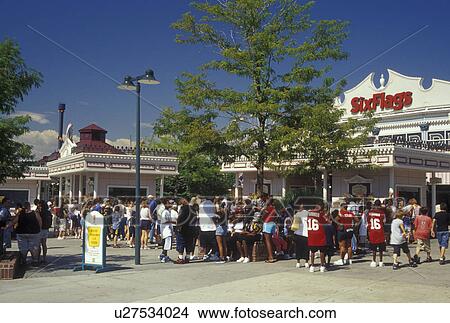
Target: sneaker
[
  {"x": 240, "y": 259},
  {"x": 297, "y": 265},
  {"x": 395, "y": 266},
  {"x": 311, "y": 269},
  {"x": 412, "y": 264},
  {"x": 339, "y": 262},
  {"x": 349, "y": 261},
  {"x": 161, "y": 257},
  {"x": 429, "y": 259},
  {"x": 246, "y": 260},
  {"x": 380, "y": 264},
  {"x": 441, "y": 261},
  {"x": 306, "y": 265},
  {"x": 166, "y": 259},
  {"x": 373, "y": 264},
  {"x": 323, "y": 269}
]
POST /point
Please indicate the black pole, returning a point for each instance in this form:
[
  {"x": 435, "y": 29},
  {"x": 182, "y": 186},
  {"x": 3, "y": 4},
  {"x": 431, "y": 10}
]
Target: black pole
[
  {"x": 137, "y": 243},
  {"x": 61, "y": 109}
]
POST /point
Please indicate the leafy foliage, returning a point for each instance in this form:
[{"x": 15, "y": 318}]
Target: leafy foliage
[
  {"x": 16, "y": 80},
  {"x": 286, "y": 108}
]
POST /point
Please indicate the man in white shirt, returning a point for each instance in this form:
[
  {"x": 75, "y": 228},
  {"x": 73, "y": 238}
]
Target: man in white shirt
[{"x": 207, "y": 224}]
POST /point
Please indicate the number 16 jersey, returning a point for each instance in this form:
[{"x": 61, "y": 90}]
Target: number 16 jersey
[
  {"x": 316, "y": 230},
  {"x": 375, "y": 226}
]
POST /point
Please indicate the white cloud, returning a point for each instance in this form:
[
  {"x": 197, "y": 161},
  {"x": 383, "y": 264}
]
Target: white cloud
[
  {"x": 120, "y": 142},
  {"x": 46, "y": 142},
  {"x": 43, "y": 142},
  {"x": 36, "y": 117}
]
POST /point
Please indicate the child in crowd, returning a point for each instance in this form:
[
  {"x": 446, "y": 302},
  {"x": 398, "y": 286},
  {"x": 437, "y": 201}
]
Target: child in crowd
[
  {"x": 317, "y": 240},
  {"x": 281, "y": 246},
  {"x": 375, "y": 227},
  {"x": 167, "y": 230},
  {"x": 399, "y": 240},
  {"x": 62, "y": 223},
  {"x": 423, "y": 226}
]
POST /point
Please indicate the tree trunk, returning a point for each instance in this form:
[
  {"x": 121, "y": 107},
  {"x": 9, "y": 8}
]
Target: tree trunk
[{"x": 260, "y": 179}]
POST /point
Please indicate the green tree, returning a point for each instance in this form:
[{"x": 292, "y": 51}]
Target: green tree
[
  {"x": 283, "y": 57},
  {"x": 16, "y": 80},
  {"x": 199, "y": 173}
]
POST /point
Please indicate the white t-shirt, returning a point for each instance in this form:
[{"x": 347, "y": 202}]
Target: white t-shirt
[
  {"x": 145, "y": 213},
  {"x": 167, "y": 216},
  {"x": 206, "y": 215},
  {"x": 396, "y": 232},
  {"x": 303, "y": 215},
  {"x": 238, "y": 227}
]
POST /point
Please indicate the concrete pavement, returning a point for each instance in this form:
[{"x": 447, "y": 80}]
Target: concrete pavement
[{"x": 231, "y": 282}]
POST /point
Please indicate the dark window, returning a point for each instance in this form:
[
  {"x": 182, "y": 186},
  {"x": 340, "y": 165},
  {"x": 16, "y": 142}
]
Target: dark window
[{"x": 125, "y": 192}]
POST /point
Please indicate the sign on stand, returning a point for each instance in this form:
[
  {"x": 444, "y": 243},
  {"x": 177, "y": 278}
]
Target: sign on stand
[{"x": 94, "y": 243}]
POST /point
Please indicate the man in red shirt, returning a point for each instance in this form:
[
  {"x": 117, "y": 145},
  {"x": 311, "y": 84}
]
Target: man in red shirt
[
  {"x": 423, "y": 226},
  {"x": 375, "y": 228},
  {"x": 317, "y": 239},
  {"x": 345, "y": 221}
]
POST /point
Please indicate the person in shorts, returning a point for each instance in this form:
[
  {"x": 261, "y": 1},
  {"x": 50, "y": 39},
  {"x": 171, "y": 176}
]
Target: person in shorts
[
  {"x": 375, "y": 228},
  {"x": 423, "y": 226},
  {"x": 269, "y": 214},
  {"x": 168, "y": 218},
  {"x": 221, "y": 230},
  {"x": 441, "y": 222},
  {"x": 399, "y": 240},
  {"x": 28, "y": 228},
  {"x": 345, "y": 221},
  {"x": 317, "y": 239}
]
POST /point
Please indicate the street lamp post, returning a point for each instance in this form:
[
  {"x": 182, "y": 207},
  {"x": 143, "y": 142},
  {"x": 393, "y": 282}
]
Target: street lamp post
[{"x": 128, "y": 85}]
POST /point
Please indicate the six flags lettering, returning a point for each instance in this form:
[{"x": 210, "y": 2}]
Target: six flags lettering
[{"x": 396, "y": 102}]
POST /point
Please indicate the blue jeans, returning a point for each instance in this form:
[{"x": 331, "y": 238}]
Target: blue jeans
[
  {"x": 122, "y": 223},
  {"x": 7, "y": 237},
  {"x": 152, "y": 231}
]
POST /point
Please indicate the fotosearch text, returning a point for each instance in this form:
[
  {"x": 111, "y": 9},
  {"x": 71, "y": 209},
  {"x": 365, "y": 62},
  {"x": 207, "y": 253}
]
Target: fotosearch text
[{"x": 396, "y": 102}]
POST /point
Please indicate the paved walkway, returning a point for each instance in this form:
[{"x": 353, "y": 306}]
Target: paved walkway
[{"x": 231, "y": 282}]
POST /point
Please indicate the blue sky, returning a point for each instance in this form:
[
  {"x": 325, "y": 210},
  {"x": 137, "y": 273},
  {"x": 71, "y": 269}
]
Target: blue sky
[{"x": 126, "y": 37}]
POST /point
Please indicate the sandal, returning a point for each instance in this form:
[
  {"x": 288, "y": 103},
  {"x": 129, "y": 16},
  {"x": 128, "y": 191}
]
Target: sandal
[{"x": 271, "y": 261}]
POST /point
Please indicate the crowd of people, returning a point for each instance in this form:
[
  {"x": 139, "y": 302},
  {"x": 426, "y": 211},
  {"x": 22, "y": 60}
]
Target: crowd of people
[{"x": 220, "y": 230}]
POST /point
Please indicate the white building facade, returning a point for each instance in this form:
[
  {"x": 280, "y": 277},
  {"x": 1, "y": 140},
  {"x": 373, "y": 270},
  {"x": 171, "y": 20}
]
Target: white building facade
[{"x": 410, "y": 144}]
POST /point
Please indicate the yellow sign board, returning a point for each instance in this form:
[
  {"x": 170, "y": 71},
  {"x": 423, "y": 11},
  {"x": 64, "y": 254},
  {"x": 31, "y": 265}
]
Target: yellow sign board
[{"x": 94, "y": 236}]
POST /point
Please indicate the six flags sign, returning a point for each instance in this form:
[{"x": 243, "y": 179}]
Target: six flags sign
[{"x": 396, "y": 102}]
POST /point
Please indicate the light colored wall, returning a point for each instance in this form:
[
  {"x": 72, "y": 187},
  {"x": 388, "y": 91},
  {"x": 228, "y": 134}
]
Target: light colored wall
[
  {"x": 380, "y": 180},
  {"x": 379, "y": 185}
]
